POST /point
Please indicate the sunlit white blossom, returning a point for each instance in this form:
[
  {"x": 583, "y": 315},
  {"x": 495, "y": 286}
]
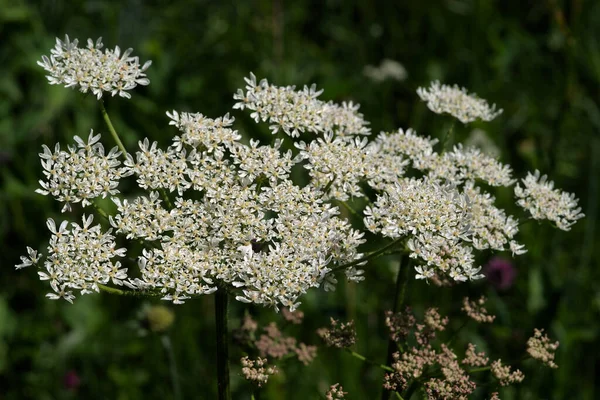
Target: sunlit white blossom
[
  {"x": 81, "y": 173},
  {"x": 90, "y": 69},
  {"x": 538, "y": 196},
  {"x": 456, "y": 101},
  {"x": 79, "y": 259},
  {"x": 297, "y": 111}
]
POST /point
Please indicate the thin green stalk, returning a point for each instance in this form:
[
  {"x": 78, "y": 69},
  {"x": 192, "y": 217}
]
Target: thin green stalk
[
  {"x": 166, "y": 341},
  {"x": 132, "y": 293},
  {"x": 363, "y": 358},
  {"x": 222, "y": 344},
  {"x": 399, "y": 293},
  {"x": 117, "y": 139},
  {"x": 111, "y": 128},
  {"x": 448, "y": 139},
  {"x": 369, "y": 256}
]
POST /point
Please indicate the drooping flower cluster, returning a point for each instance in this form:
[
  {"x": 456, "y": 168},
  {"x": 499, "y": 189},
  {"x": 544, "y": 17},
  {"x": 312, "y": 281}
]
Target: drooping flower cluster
[
  {"x": 340, "y": 335},
  {"x": 257, "y": 371},
  {"x": 477, "y": 311},
  {"x": 539, "y": 197},
  {"x": 90, "y": 69},
  {"x": 505, "y": 374},
  {"x": 540, "y": 348},
  {"x": 416, "y": 360},
  {"x": 298, "y": 111},
  {"x": 273, "y": 343},
  {"x": 335, "y": 392},
  {"x": 457, "y": 102}
]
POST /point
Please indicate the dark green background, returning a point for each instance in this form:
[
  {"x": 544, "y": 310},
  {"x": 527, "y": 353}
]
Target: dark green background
[{"x": 539, "y": 61}]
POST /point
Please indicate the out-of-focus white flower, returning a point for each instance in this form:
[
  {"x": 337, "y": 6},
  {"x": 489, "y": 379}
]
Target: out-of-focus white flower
[
  {"x": 539, "y": 197},
  {"x": 388, "y": 69},
  {"x": 478, "y": 138},
  {"x": 90, "y": 69},
  {"x": 457, "y": 102}
]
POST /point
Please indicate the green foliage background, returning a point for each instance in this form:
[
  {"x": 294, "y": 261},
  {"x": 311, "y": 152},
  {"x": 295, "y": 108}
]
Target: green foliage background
[{"x": 539, "y": 61}]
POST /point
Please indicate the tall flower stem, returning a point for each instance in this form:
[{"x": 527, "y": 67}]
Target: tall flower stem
[
  {"x": 117, "y": 139},
  {"x": 399, "y": 293},
  {"x": 370, "y": 256},
  {"x": 111, "y": 128},
  {"x": 222, "y": 344}
]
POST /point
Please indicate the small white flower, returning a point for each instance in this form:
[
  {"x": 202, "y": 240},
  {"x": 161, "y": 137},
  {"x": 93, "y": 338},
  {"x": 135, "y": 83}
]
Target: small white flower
[
  {"x": 90, "y": 69},
  {"x": 457, "y": 102}
]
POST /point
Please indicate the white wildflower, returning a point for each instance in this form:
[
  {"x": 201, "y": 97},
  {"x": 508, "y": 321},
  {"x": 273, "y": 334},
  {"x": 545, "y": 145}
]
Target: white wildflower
[
  {"x": 82, "y": 173},
  {"x": 297, "y": 111},
  {"x": 539, "y": 197},
  {"x": 90, "y": 69},
  {"x": 457, "y": 102}
]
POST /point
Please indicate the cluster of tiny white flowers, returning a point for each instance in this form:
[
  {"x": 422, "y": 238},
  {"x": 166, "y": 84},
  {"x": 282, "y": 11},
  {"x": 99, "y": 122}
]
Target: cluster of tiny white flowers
[
  {"x": 82, "y": 173},
  {"x": 336, "y": 164},
  {"x": 199, "y": 130},
  {"x": 79, "y": 258},
  {"x": 468, "y": 164},
  {"x": 90, "y": 69},
  {"x": 297, "y": 111},
  {"x": 490, "y": 227},
  {"x": 237, "y": 218},
  {"x": 539, "y": 197},
  {"x": 267, "y": 161},
  {"x": 437, "y": 218},
  {"x": 273, "y": 242},
  {"x": 457, "y": 102}
]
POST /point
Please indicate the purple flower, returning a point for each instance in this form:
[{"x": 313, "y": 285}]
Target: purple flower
[
  {"x": 71, "y": 380},
  {"x": 500, "y": 272}
]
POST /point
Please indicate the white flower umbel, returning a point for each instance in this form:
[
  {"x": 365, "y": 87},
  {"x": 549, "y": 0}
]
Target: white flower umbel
[
  {"x": 539, "y": 197},
  {"x": 273, "y": 242},
  {"x": 297, "y": 111},
  {"x": 82, "y": 173},
  {"x": 490, "y": 227},
  {"x": 456, "y": 101},
  {"x": 435, "y": 218},
  {"x": 79, "y": 259},
  {"x": 336, "y": 164},
  {"x": 468, "y": 164},
  {"x": 90, "y": 69}
]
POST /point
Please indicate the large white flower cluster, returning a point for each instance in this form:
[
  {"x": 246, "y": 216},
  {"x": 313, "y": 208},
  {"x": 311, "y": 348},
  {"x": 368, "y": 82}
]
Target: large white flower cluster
[
  {"x": 90, "y": 69},
  {"x": 216, "y": 212}
]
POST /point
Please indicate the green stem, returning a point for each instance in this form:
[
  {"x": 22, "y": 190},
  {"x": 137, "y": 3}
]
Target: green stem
[
  {"x": 166, "y": 341},
  {"x": 363, "y": 358},
  {"x": 222, "y": 344},
  {"x": 132, "y": 293},
  {"x": 111, "y": 128},
  {"x": 448, "y": 138},
  {"x": 369, "y": 256},
  {"x": 347, "y": 206},
  {"x": 399, "y": 292},
  {"x": 100, "y": 211}
]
